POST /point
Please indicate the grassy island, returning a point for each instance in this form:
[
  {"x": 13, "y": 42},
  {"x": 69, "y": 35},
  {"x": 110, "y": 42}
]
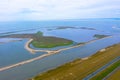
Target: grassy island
[
  {"x": 40, "y": 41},
  {"x": 49, "y": 42}
]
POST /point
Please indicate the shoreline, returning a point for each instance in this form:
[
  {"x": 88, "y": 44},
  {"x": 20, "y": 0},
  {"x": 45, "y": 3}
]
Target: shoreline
[
  {"x": 31, "y": 50},
  {"x": 49, "y": 52},
  {"x": 67, "y": 68}
]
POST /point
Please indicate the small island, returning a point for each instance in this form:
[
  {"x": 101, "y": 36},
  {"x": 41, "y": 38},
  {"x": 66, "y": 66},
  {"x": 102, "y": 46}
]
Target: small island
[
  {"x": 40, "y": 41},
  {"x": 99, "y": 36},
  {"x": 50, "y": 42}
]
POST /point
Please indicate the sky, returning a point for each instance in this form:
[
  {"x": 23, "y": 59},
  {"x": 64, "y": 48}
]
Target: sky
[{"x": 12, "y": 10}]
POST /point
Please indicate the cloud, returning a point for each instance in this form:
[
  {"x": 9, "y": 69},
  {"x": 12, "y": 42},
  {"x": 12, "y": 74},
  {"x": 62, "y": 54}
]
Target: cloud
[{"x": 57, "y": 9}]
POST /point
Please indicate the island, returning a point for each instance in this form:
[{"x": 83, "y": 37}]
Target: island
[
  {"x": 71, "y": 27},
  {"x": 39, "y": 38},
  {"x": 41, "y": 41},
  {"x": 50, "y": 42},
  {"x": 99, "y": 36}
]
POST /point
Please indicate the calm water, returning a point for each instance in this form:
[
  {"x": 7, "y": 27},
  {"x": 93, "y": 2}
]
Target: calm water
[
  {"x": 103, "y": 25},
  {"x": 13, "y": 52}
]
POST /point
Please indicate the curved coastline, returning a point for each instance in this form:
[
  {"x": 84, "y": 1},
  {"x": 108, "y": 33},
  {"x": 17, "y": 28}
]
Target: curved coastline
[
  {"x": 31, "y": 50},
  {"x": 49, "y": 52}
]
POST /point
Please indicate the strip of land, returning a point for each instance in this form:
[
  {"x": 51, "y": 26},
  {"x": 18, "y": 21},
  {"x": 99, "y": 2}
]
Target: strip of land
[
  {"x": 42, "y": 56},
  {"x": 27, "y": 61},
  {"x": 115, "y": 75},
  {"x": 101, "y": 75},
  {"x": 80, "y": 68},
  {"x": 27, "y": 46}
]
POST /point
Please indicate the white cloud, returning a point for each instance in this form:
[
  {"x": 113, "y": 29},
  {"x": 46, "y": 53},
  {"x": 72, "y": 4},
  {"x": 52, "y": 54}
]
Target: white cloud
[{"x": 57, "y": 9}]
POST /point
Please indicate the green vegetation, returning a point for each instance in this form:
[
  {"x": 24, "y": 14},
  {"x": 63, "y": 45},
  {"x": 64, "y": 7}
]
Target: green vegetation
[
  {"x": 41, "y": 41},
  {"x": 99, "y": 36},
  {"x": 105, "y": 72},
  {"x": 49, "y": 42},
  {"x": 80, "y": 68},
  {"x": 115, "y": 75},
  {"x": 63, "y": 67},
  {"x": 39, "y": 34}
]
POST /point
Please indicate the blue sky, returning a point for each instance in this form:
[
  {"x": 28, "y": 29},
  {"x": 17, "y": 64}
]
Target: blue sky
[{"x": 11, "y": 10}]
